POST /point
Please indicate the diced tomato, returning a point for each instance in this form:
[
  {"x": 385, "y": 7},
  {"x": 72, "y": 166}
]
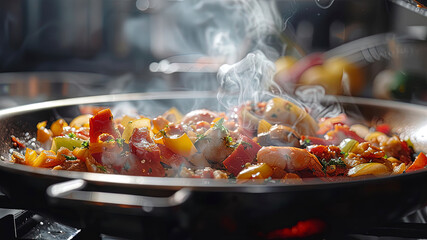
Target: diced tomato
[
  {"x": 342, "y": 132},
  {"x": 244, "y": 153},
  {"x": 101, "y": 123},
  {"x": 325, "y": 152},
  {"x": 170, "y": 158},
  {"x": 384, "y": 128},
  {"x": 136, "y": 167},
  {"x": 237, "y": 160},
  {"x": 419, "y": 163},
  {"x": 251, "y": 147},
  {"x": 143, "y": 146}
]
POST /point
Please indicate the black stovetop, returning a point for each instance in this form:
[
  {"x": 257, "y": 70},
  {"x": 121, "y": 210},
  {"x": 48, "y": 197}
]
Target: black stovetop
[{"x": 23, "y": 224}]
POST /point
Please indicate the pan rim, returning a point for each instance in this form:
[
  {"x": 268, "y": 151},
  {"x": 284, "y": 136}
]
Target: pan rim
[{"x": 177, "y": 183}]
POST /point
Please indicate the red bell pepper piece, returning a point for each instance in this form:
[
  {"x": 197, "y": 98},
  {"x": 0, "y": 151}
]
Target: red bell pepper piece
[
  {"x": 419, "y": 163},
  {"x": 384, "y": 128},
  {"x": 251, "y": 147},
  {"x": 310, "y": 140},
  {"x": 244, "y": 153},
  {"x": 342, "y": 132},
  {"x": 101, "y": 123},
  {"x": 143, "y": 146}
]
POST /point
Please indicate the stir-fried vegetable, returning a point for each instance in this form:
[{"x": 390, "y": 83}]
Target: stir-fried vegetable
[{"x": 273, "y": 141}]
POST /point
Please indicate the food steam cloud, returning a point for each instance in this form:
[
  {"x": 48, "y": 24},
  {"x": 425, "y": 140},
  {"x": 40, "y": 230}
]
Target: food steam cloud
[{"x": 251, "y": 80}]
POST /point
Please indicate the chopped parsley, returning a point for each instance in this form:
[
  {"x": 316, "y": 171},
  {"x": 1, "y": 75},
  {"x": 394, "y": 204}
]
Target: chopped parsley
[
  {"x": 246, "y": 145},
  {"x": 333, "y": 161},
  {"x": 69, "y": 157},
  {"x": 102, "y": 168},
  {"x": 71, "y": 135},
  {"x": 120, "y": 141},
  {"x": 219, "y": 125},
  {"x": 85, "y": 144},
  {"x": 201, "y": 137}
]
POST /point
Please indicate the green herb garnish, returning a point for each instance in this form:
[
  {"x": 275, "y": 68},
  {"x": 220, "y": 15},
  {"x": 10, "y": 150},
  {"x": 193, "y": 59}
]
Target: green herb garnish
[
  {"x": 120, "y": 141},
  {"x": 85, "y": 144},
  {"x": 69, "y": 157},
  {"x": 219, "y": 125},
  {"x": 71, "y": 135},
  {"x": 102, "y": 168}
]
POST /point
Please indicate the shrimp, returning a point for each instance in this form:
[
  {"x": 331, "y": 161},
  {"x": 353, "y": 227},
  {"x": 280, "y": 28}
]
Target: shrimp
[{"x": 290, "y": 159}]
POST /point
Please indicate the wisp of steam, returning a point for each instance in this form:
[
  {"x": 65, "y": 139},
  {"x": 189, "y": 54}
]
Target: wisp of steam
[{"x": 252, "y": 78}]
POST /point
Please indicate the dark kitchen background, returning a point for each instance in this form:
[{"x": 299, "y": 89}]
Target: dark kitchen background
[{"x": 53, "y": 49}]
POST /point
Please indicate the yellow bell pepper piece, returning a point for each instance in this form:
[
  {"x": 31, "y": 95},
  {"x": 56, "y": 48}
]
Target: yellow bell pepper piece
[
  {"x": 348, "y": 144},
  {"x": 81, "y": 153},
  {"x": 181, "y": 145},
  {"x": 126, "y": 119},
  {"x": 139, "y": 123},
  {"x": 373, "y": 168},
  {"x": 263, "y": 126},
  {"x": 39, "y": 160},
  {"x": 258, "y": 171},
  {"x": 81, "y": 121},
  {"x": 30, "y": 156}
]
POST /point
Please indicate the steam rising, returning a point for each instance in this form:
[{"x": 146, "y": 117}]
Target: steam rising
[
  {"x": 246, "y": 80},
  {"x": 252, "y": 79}
]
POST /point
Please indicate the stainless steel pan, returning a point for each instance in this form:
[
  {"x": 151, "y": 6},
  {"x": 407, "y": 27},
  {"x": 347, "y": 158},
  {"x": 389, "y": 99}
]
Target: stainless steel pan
[{"x": 171, "y": 208}]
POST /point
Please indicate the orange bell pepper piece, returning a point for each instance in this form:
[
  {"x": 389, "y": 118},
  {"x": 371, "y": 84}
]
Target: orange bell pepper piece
[
  {"x": 43, "y": 134},
  {"x": 419, "y": 163},
  {"x": 58, "y": 126}
]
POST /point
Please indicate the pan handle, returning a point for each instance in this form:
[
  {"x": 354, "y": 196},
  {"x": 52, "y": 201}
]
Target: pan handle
[{"x": 72, "y": 190}]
